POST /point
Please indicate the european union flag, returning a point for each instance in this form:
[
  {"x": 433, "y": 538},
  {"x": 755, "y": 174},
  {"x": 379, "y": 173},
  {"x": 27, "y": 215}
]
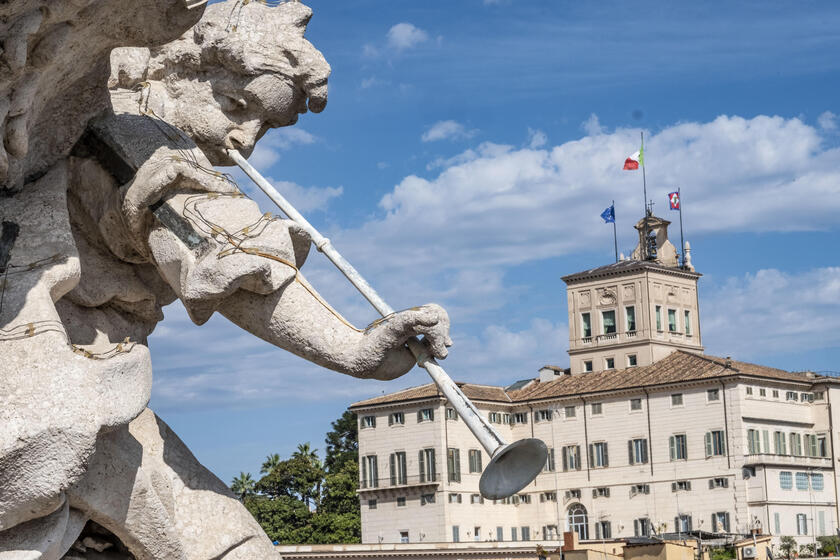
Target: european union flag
[{"x": 609, "y": 215}]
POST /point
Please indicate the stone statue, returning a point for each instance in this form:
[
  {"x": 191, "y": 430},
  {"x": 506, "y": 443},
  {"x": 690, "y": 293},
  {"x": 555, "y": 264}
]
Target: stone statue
[{"x": 100, "y": 233}]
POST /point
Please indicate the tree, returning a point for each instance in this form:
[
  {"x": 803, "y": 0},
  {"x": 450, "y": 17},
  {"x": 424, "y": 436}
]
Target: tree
[
  {"x": 829, "y": 545},
  {"x": 342, "y": 442},
  {"x": 270, "y": 462},
  {"x": 243, "y": 485},
  {"x": 284, "y": 519},
  {"x": 788, "y": 546}
]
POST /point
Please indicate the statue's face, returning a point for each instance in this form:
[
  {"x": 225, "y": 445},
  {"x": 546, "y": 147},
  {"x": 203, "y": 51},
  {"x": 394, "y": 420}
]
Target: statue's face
[{"x": 228, "y": 111}]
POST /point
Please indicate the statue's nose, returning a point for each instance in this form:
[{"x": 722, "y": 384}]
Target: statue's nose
[{"x": 314, "y": 71}]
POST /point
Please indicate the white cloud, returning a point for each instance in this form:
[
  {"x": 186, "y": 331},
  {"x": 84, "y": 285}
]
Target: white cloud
[
  {"x": 771, "y": 312},
  {"x": 536, "y": 138},
  {"x": 592, "y": 126},
  {"x": 267, "y": 151},
  {"x": 404, "y": 36},
  {"x": 827, "y": 121},
  {"x": 447, "y": 130}
]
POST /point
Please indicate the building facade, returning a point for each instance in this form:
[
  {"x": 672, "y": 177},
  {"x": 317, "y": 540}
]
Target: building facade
[{"x": 646, "y": 434}]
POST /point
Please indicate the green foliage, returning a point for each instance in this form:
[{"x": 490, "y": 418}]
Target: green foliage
[
  {"x": 723, "y": 553},
  {"x": 788, "y": 546},
  {"x": 300, "y": 500},
  {"x": 829, "y": 545},
  {"x": 807, "y": 550}
]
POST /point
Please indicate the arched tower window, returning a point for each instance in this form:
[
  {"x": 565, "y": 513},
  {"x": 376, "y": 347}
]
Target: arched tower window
[{"x": 578, "y": 521}]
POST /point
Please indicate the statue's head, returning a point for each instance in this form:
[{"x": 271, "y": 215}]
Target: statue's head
[{"x": 243, "y": 69}]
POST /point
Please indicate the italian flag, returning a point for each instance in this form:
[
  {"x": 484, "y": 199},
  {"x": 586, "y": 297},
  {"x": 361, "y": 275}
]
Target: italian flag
[{"x": 635, "y": 160}]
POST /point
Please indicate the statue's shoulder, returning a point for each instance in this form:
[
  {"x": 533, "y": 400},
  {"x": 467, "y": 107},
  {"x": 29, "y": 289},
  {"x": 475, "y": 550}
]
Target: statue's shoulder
[{"x": 124, "y": 141}]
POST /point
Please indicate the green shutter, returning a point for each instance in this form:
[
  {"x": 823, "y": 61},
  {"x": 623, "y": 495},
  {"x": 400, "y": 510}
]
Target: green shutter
[{"x": 709, "y": 447}]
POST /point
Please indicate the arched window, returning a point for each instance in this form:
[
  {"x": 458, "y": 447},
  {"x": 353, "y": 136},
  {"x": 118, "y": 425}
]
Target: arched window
[{"x": 578, "y": 521}]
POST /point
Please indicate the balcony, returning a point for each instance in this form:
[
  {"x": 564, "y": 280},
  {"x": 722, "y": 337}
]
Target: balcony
[
  {"x": 606, "y": 337},
  {"x": 787, "y": 460},
  {"x": 415, "y": 481}
]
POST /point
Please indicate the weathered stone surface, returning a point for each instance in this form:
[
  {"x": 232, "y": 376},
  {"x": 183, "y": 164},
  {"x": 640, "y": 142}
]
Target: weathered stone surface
[{"x": 111, "y": 209}]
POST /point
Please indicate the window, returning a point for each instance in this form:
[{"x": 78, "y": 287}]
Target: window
[
  {"x": 400, "y": 501},
  {"x": 795, "y": 444},
  {"x": 454, "y": 498},
  {"x": 586, "y": 325},
  {"x": 715, "y": 444},
  {"x": 578, "y": 521},
  {"x": 631, "y": 360},
  {"x": 603, "y": 492},
  {"x": 573, "y": 494},
  {"x": 426, "y": 459},
  {"x": 635, "y": 404},
  {"x": 427, "y": 499},
  {"x": 659, "y": 318},
  {"x": 720, "y": 522},
  {"x": 681, "y": 486},
  {"x": 822, "y": 446},
  {"x": 609, "y": 363},
  {"x": 677, "y": 447},
  {"x": 687, "y": 318},
  {"x": 811, "y": 445},
  {"x": 476, "y": 499},
  {"x": 779, "y": 443},
  {"x": 777, "y": 523},
  {"x": 817, "y": 482},
  {"x": 548, "y": 497},
  {"x": 801, "y": 481},
  {"x": 598, "y": 456},
  {"x": 801, "y": 524},
  {"x": 549, "y": 461},
  {"x": 475, "y": 460},
  {"x": 425, "y": 415},
  {"x": 672, "y": 320},
  {"x": 596, "y": 408},
  {"x": 403, "y": 537},
  {"x": 791, "y": 396},
  {"x": 514, "y": 534},
  {"x": 571, "y": 458},
  {"x": 630, "y": 315},
  {"x": 505, "y": 418},
  {"x": 682, "y": 523},
  {"x": 762, "y": 392},
  {"x": 722, "y": 482},
  {"x": 370, "y": 476},
  {"x": 371, "y": 504},
  {"x": 456, "y": 533},
  {"x": 608, "y": 322},
  {"x": 806, "y": 397},
  {"x": 569, "y": 412},
  {"x": 638, "y": 451},
  {"x": 397, "y": 463},
  {"x": 550, "y": 532},
  {"x": 544, "y": 415},
  {"x": 677, "y": 399},
  {"x": 713, "y": 395},
  {"x": 453, "y": 464},
  {"x": 775, "y": 394},
  {"x": 451, "y": 414},
  {"x": 603, "y": 530},
  {"x": 396, "y": 418},
  {"x": 476, "y": 533},
  {"x": 368, "y": 421},
  {"x": 641, "y": 527},
  {"x": 753, "y": 442},
  {"x": 785, "y": 480},
  {"x": 526, "y": 533},
  {"x": 819, "y": 395},
  {"x": 639, "y": 489},
  {"x": 495, "y": 417},
  {"x": 520, "y": 417},
  {"x": 749, "y": 390},
  {"x": 587, "y": 365},
  {"x": 500, "y": 534}
]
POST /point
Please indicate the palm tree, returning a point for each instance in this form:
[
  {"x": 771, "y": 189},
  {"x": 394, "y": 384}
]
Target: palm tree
[
  {"x": 270, "y": 462},
  {"x": 243, "y": 485},
  {"x": 306, "y": 453}
]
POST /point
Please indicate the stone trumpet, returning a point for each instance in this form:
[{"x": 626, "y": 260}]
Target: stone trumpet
[{"x": 512, "y": 466}]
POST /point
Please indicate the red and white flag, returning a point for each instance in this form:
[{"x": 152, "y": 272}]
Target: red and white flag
[{"x": 632, "y": 162}]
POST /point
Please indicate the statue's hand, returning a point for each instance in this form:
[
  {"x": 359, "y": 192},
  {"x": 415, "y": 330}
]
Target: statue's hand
[{"x": 384, "y": 354}]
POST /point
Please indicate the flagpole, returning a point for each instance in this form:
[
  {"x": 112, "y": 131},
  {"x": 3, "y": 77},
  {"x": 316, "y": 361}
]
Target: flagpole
[
  {"x": 682, "y": 241},
  {"x": 615, "y": 234},
  {"x": 644, "y": 186}
]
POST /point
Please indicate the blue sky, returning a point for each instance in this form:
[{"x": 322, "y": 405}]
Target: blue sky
[{"x": 464, "y": 157}]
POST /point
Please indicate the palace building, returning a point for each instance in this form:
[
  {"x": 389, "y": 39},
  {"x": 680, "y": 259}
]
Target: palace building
[{"x": 646, "y": 433}]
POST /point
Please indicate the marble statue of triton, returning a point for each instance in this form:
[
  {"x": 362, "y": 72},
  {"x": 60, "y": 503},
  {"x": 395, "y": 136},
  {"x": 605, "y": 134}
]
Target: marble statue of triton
[{"x": 111, "y": 209}]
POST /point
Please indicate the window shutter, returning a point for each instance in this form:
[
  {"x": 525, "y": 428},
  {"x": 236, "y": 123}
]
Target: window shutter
[
  {"x": 422, "y": 461},
  {"x": 714, "y": 523},
  {"x": 690, "y": 524},
  {"x": 591, "y": 461},
  {"x": 392, "y": 460},
  {"x": 432, "y": 472},
  {"x": 630, "y": 451},
  {"x": 606, "y": 455},
  {"x": 645, "y": 450},
  {"x": 726, "y": 483},
  {"x": 636, "y": 528},
  {"x": 564, "y": 452},
  {"x": 595, "y": 494},
  {"x": 709, "y": 449},
  {"x": 677, "y": 524},
  {"x": 726, "y": 521},
  {"x": 364, "y": 472},
  {"x": 673, "y": 487},
  {"x": 688, "y": 485},
  {"x": 577, "y": 457},
  {"x": 672, "y": 448},
  {"x": 711, "y": 483},
  {"x": 608, "y": 493}
]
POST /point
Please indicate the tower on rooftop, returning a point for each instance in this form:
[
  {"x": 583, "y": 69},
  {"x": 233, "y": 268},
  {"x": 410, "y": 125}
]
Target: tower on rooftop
[{"x": 636, "y": 311}]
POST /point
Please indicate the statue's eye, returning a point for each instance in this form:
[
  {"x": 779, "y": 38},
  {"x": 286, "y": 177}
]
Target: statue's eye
[{"x": 234, "y": 103}]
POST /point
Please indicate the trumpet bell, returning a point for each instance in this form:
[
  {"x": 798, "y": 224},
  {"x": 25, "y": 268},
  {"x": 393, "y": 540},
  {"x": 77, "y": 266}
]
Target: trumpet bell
[{"x": 512, "y": 468}]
